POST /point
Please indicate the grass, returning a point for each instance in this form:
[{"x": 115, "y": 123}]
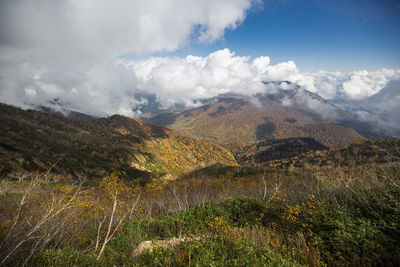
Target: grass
[
  {"x": 249, "y": 232},
  {"x": 340, "y": 217}
]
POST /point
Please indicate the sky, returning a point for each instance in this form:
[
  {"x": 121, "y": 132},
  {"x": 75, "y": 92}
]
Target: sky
[
  {"x": 318, "y": 35},
  {"x": 97, "y": 56}
]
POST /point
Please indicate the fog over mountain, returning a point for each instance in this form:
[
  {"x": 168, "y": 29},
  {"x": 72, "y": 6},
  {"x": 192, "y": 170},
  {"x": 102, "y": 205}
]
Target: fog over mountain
[
  {"x": 68, "y": 54},
  {"x": 120, "y": 87},
  {"x": 381, "y": 108}
]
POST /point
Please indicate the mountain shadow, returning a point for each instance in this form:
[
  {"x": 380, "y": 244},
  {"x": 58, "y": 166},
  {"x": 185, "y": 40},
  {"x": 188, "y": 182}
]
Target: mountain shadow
[{"x": 265, "y": 130}]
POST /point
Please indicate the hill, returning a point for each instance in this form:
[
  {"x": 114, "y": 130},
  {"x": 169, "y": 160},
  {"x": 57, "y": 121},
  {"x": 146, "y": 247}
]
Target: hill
[
  {"x": 33, "y": 140},
  {"x": 355, "y": 155},
  {"x": 242, "y": 119}
]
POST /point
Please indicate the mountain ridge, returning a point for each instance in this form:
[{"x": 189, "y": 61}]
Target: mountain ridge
[{"x": 33, "y": 140}]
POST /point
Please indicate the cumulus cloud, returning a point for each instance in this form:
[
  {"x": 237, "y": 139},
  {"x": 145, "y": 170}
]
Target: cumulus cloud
[
  {"x": 43, "y": 29},
  {"x": 105, "y": 89},
  {"x": 66, "y": 48},
  {"x": 363, "y": 83},
  {"x": 183, "y": 80},
  {"x": 354, "y": 85}
]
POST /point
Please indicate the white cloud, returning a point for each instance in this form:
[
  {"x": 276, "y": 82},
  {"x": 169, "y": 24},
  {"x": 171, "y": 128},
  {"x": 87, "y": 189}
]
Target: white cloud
[
  {"x": 362, "y": 84},
  {"x": 179, "y": 79},
  {"x": 182, "y": 80},
  {"x": 30, "y": 92},
  {"x": 67, "y": 49},
  {"x": 43, "y": 30},
  {"x": 384, "y": 106},
  {"x": 105, "y": 89}
]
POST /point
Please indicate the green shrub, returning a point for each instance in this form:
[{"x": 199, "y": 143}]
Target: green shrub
[
  {"x": 343, "y": 235},
  {"x": 244, "y": 211},
  {"x": 65, "y": 258},
  {"x": 213, "y": 252}
]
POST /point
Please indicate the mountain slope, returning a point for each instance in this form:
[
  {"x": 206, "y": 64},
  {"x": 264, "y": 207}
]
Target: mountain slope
[
  {"x": 365, "y": 153},
  {"x": 237, "y": 118},
  {"x": 34, "y": 140},
  {"x": 278, "y": 149}
]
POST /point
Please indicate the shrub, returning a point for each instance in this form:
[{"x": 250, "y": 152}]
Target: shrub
[
  {"x": 214, "y": 252},
  {"x": 64, "y": 258},
  {"x": 244, "y": 211},
  {"x": 343, "y": 235}
]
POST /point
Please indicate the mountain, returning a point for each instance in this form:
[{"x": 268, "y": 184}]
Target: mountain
[
  {"x": 34, "y": 140},
  {"x": 281, "y": 114}
]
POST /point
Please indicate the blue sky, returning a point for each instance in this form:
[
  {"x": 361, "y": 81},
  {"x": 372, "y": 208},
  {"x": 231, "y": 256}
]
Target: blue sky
[{"x": 317, "y": 34}]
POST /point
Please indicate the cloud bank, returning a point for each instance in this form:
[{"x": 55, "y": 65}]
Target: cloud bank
[
  {"x": 106, "y": 89},
  {"x": 185, "y": 79},
  {"x": 354, "y": 85},
  {"x": 68, "y": 53}
]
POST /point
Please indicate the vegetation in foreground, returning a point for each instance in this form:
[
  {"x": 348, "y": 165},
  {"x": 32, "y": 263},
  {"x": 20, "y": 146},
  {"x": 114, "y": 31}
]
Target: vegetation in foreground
[{"x": 325, "y": 217}]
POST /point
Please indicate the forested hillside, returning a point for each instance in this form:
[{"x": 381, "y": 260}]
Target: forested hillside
[{"x": 33, "y": 140}]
